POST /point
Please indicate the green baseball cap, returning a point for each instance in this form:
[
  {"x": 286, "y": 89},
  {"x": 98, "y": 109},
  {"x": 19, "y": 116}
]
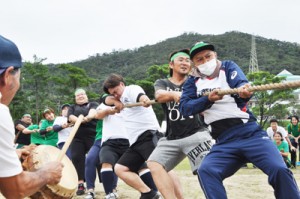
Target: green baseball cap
[{"x": 200, "y": 46}]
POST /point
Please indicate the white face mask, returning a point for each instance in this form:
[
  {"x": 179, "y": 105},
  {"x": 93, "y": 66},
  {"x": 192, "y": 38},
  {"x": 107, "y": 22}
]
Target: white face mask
[{"x": 208, "y": 68}]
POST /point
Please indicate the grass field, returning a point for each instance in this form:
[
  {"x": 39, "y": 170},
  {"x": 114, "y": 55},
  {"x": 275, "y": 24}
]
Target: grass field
[{"x": 247, "y": 183}]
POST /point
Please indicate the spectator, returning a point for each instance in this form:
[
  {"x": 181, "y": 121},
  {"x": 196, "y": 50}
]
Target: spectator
[
  {"x": 14, "y": 182},
  {"x": 294, "y": 134},
  {"x": 282, "y": 147},
  {"x": 22, "y": 138},
  {"x": 274, "y": 128}
]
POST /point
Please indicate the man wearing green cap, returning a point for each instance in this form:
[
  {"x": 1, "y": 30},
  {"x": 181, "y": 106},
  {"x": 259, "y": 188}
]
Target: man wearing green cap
[
  {"x": 14, "y": 182},
  {"x": 239, "y": 139},
  {"x": 185, "y": 136}
]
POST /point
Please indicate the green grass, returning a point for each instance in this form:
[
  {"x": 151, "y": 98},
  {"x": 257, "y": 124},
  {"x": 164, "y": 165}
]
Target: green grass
[{"x": 183, "y": 166}]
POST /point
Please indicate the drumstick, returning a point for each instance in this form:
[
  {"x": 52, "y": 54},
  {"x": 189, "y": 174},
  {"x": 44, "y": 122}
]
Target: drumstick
[
  {"x": 139, "y": 104},
  {"x": 272, "y": 86},
  {"x": 70, "y": 138}
]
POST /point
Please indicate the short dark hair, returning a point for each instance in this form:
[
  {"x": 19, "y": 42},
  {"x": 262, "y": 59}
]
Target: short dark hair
[
  {"x": 48, "y": 111},
  {"x": 273, "y": 120},
  {"x": 296, "y": 117},
  {"x": 279, "y": 134},
  {"x": 187, "y": 51},
  {"x": 112, "y": 81}
]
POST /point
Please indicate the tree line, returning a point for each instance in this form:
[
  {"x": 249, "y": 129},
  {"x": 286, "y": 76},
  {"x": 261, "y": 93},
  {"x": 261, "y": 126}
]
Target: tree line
[
  {"x": 44, "y": 86},
  {"x": 52, "y": 85}
]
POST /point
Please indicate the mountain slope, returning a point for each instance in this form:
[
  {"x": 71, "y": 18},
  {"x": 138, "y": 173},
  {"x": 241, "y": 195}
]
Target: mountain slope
[{"x": 272, "y": 55}]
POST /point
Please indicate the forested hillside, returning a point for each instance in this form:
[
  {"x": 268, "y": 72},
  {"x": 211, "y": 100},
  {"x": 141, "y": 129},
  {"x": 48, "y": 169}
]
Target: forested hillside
[{"x": 272, "y": 55}]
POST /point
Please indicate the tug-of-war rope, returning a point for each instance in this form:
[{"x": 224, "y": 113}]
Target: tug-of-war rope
[
  {"x": 264, "y": 87},
  {"x": 272, "y": 86}
]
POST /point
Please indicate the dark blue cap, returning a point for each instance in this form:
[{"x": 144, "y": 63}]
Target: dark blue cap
[
  {"x": 65, "y": 105},
  {"x": 9, "y": 55}
]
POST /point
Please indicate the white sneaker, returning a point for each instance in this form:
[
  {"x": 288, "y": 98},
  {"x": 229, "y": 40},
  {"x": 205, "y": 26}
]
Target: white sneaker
[
  {"x": 111, "y": 196},
  {"x": 90, "y": 195},
  {"x": 115, "y": 191}
]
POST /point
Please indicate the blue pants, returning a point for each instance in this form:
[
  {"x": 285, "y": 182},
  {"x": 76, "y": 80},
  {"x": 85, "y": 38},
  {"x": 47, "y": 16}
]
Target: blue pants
[
  {"x": 237, "y": 146},
  {"x": 92, "y": 163},
  {"x": 68, "y": 153}
]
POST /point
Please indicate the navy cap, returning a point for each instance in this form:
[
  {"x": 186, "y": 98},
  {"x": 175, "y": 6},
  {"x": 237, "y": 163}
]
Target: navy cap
[
  {"x": 65, "y": 105},
  {"x": 9, "y": 55}
]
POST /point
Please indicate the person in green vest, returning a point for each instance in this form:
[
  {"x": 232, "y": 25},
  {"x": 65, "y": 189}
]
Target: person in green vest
[
  {"x": 46, "y": 129},
  {"x": 294, "y": 134}
]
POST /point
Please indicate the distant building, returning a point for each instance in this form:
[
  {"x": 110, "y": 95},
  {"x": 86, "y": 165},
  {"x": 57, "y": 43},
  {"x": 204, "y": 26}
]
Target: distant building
[{"x": 290, "y": 77}]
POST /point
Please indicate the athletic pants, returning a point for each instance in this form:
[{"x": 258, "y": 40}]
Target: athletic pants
[
  {"x": 237, "y": 146},
  {"x": 92, "y": 163}
]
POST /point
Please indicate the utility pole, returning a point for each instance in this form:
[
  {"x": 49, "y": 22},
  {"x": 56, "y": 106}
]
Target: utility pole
[{"x": 253, "y": 66}]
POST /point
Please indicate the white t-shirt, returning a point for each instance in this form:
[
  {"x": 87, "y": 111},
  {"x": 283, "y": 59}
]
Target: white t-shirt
[
  {"x": 137, "y": 119},
  {"x": 10, "y": 163},
  {"x": 64, "y": 133},
  {"x": 218, "y": 110},
  {"x": 113, "y": 125},
  {"x": 280, "y": 130}
]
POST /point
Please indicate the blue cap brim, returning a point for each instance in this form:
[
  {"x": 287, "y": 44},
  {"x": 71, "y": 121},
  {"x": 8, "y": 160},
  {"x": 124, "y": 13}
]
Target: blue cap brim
[{"x": 2, "y": 70}]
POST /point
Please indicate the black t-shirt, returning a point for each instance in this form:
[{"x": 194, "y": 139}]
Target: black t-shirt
[
  {"x": 177, "y": 126},
  {"x": 22, "y": 138},
  {"x": 85, "y": 129}
]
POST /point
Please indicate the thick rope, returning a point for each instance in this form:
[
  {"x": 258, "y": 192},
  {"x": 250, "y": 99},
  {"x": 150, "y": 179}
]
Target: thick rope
[
  {"x": 272, "y": 86},
  {"x": 139, "y": 104}
]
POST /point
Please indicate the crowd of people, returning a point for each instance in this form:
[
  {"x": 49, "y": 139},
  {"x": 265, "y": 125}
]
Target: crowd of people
[{"x": 217, "y": 133}]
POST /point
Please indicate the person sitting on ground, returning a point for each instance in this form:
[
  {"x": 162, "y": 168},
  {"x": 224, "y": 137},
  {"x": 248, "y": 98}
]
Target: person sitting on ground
[
  {"x": 282, "y": 147},
  {"x": 274, "y": 128}
]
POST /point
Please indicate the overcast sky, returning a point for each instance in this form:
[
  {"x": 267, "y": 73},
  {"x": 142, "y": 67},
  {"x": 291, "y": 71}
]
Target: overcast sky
[{"x": 71, "y": 30}]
